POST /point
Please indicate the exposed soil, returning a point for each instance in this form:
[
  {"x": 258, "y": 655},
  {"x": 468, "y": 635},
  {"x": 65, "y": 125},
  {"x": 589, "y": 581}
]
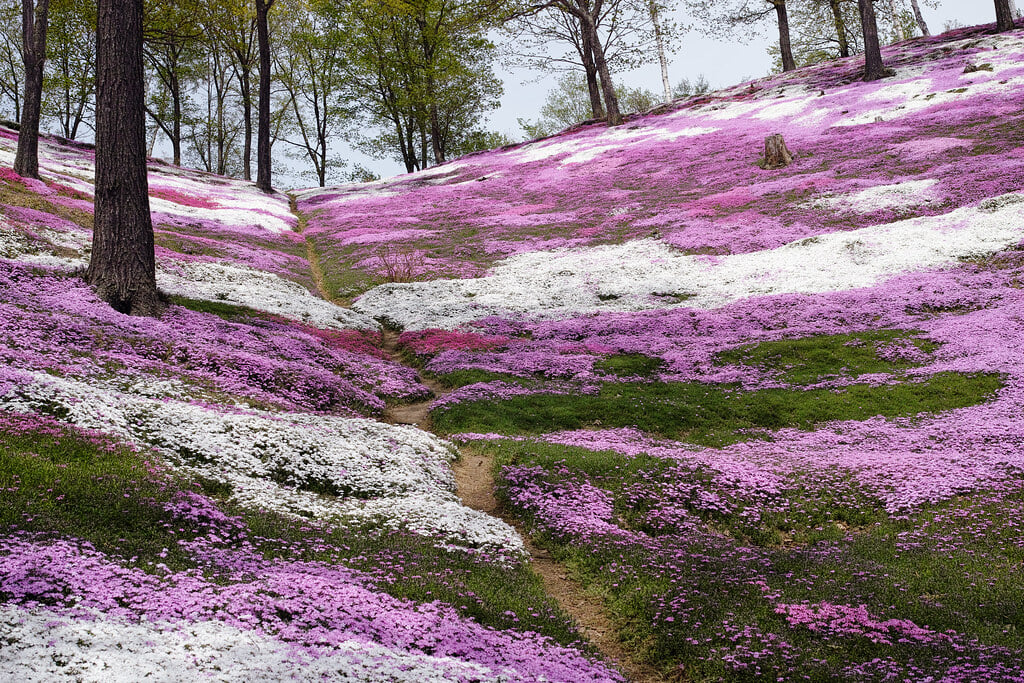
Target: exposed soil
[{"x": 474, "y": 478}]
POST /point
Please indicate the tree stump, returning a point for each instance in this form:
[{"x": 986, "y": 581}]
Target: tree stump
[{"x": 776, "y": 154}]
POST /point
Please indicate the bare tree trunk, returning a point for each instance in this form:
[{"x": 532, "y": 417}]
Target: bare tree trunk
[
  {"x": 33, "y": 31},
  {"x": 1004, "y": 15},
  {"x": 176, "y": 120},
  {"x": 436, "y": 136},
  {"x": 894, "y": 11},
  {"x": 659, "y": 41},
  {"x": 874, "y": 69},
  {"x": 123, "y": 264},
  {"x": 263, "y": 172},
  {"x": 245, "y": 88},
  {"x": 593, "y": 87},
  {"x": 919, "y": 18},
  {"x": 785, "y": 45},
  {"x": 837, "y": 18},
  {"x": 611, "y": 100}
]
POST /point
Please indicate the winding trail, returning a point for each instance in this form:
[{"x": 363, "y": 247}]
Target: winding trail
[{"x": 474, "y": 478}]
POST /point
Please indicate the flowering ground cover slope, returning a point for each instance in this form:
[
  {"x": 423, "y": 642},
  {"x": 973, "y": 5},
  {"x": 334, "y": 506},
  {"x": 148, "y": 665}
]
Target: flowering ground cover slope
[
  {"x": 773, "y": 417},
  {"x": 213, "y": 494}
]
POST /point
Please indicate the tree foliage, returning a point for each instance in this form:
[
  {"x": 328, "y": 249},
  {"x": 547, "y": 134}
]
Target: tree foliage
[
  {"x": 419, "y": 73},
  {"x": 567, "y": 104}
]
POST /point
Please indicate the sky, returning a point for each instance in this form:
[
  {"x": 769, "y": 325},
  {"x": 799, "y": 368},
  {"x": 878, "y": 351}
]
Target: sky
[{"x": 723, "y": 62}]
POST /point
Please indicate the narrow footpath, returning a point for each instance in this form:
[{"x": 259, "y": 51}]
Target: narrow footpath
[{"x": 474, "y": 478}]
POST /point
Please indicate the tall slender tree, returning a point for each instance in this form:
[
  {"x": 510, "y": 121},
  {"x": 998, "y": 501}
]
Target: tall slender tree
[
  {"x": 1004, "y": 15},
  {"x": 311, "y": 70},
  {"x": 232, "y": 25},
  {"x": 12, "y": 62},
  {"x": 785, "y": 43},
  {"x": 588, "y": 13},
  {"x": 659, "y": 43},
  {"x": 122, "y": 268},
  {"x": 263, "y": 173},
  {"x": 874, "y": 68},
  {"x": 740, "y": 16},
  {"x": 33, "y": 28},
  {"x": 919, "y": 18},
  {"x": 840, "y": 25}
]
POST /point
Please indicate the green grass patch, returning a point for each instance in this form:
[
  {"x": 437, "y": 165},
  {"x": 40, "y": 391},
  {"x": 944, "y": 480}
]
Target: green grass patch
[
  {"x": 812, "y": 359},
  {"x": 714, "y": 415},
  {"x": 461, "y": 378},
  {"x": 629, "y": 365},
  {"x": 222, "y": 309},
  {"x": 66, "y": 484}
]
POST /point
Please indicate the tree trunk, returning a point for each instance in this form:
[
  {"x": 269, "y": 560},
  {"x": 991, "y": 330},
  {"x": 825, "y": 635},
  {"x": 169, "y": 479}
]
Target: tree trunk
[
  {"x": 785, "y": 46},
  {"x": 776, "y": 154},
  {"x": 436, "y": 136},
  {"x": 33, "y": 31},
  {"x": 245, "y": 86},
  {"x": 593, "y": 86},
  {"x": 659, "y": 41},
  {"x": 263, "y": 180},
  {"x": 874, "y": 69},
  {"x": 611, "y": 100},
  {"x": 919, "y": 18},
  {"x": 176, "y": 115},
  {"x": 1004, "y": 16},
  {"x": 837, "y": 18},
  {"x": 123, "y": 264},
  {"x": 424, "y": 153}
]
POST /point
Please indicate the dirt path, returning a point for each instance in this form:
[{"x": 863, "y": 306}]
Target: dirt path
[
  {"x": 314, "y": 258},
  {"x": 475, "y": 481},
  {"x": 473, "y": 475}
]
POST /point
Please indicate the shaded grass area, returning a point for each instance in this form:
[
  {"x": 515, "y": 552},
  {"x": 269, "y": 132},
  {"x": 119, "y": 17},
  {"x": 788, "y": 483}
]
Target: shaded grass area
[
  {"x": 222, "y": 309},
  {"x": 811, "y": 359},
  {"x": 699, "y": 599},
  {"x": 65, "y": 483},
  {"x": 713, "y": 415}
]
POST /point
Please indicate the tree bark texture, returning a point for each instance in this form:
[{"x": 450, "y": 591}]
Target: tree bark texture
[
  {"x": 611, "y": 100},
  {"x": 175, "y": 114},
  {"x": 593, "y": 86},
  {"x": 785, "y": 45},
  {"x": 1004, "y": 16},
  {"x": 33, "y": 31},
  {"x": 263, "y": 173},
  {"x": 122, "y": 267},
  {"x": 837, "y": 18},
  {"x": 874, "y": 69},
  {"x": 659, "y": 41},
  {"x": 245, "y": 88},
  {"x": 921, "y": 24},
  {"x": 776, "y": 154}
]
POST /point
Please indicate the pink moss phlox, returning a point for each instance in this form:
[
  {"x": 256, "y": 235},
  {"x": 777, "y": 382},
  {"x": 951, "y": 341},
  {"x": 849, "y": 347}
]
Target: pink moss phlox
[
  {"x": 435, "y": 341},
  {"x": 314, "y": 606},
  {"x": 849, "y": 621}
]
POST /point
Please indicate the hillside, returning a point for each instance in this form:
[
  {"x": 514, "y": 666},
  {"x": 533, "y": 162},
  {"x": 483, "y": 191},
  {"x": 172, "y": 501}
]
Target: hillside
[{"x": 769, "y": 424}]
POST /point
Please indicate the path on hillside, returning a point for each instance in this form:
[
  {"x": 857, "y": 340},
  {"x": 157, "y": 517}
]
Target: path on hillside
[{"x": 474, "y": 479}]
